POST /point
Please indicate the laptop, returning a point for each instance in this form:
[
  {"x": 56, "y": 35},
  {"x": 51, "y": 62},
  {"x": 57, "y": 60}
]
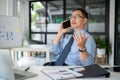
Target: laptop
[{"x": 6, "y": 70}]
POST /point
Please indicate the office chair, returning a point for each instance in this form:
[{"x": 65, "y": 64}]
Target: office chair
[
  {"x": 53, "y": 58},
  {"x": 49, "y": 63},
  {"x": 52, "y": 63}
]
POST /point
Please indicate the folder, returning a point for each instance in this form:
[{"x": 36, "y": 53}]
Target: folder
[{"x": 93, "y": 70}]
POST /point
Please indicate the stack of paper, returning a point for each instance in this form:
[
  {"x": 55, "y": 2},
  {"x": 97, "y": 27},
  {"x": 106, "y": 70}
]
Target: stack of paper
[{"x": 61, "y": 74}]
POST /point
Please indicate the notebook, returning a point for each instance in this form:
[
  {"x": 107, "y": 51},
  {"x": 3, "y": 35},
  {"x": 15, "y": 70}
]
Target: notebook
[{"x": 6, "y": 70}]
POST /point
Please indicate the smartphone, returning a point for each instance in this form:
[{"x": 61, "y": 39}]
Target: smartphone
[{"x": 66, "y": 24}]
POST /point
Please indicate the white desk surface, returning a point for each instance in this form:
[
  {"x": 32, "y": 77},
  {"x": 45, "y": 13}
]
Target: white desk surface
[
  {"x": 42, "y": 76},
  {"x": 32, "y": 48}
]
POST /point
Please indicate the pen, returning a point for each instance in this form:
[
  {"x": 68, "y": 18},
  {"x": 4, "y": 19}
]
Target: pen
[
  {"x": 27, "y": 68},
  {"x": 62, "y": 71},
  {"x": 66, "y": 73}
]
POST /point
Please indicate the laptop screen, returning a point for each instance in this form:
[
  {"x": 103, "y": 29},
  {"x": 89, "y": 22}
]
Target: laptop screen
[{"x": 6, "y": 70}]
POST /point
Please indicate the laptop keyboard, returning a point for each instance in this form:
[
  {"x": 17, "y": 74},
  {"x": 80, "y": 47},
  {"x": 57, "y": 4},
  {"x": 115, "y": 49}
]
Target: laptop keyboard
[{"x": 18, "y": 76}]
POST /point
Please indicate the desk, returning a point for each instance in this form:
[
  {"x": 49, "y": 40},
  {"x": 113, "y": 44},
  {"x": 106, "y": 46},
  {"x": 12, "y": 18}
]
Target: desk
[
  {"x": 42, "y": 76},
  {"x": 32, "y": 48}
]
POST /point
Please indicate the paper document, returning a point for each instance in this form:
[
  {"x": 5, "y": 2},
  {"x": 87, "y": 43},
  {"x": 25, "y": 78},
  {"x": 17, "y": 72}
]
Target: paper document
[{"x": 61, "y": 74}]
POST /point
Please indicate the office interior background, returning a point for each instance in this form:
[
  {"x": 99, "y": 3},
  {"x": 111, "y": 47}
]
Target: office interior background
[{"x": 40, "y": 20}]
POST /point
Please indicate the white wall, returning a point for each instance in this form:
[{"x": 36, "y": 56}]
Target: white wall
[
  {"x": 6, "y": 7},
  {"x": 112, "y": 29},
  {"x": 10, "y": 8},
  {"x": 2, "y": 7},
  {"x": 24, "y": 16}
]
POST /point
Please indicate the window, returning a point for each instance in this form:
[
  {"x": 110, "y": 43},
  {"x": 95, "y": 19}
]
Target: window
[
  {"x": 46, "y": 16},
  {"x": 117, "y": 34}
]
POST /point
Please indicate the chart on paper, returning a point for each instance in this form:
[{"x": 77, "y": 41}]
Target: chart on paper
[{"x": 10, "y": 32}]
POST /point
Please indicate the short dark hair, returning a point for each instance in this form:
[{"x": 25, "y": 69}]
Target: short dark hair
[{"x": 85, "y": 14}]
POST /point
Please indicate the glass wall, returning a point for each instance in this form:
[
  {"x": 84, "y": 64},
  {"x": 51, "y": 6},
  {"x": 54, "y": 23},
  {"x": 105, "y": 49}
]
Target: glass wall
[
  {"x": 46, "y": 16},
  {"x": 96, "y": 10},
  {"x": 98, "y": 18},
  {"x": 37, "y": 21},
  {"x": 45, "y": 20},
  {"x": 117, "y": 33}
]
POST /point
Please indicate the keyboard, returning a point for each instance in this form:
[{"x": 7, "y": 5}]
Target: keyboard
[{"x": 18, "y": 76}]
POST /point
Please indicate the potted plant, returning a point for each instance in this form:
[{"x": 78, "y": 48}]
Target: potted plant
[{"x": 102, "y": 46}]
